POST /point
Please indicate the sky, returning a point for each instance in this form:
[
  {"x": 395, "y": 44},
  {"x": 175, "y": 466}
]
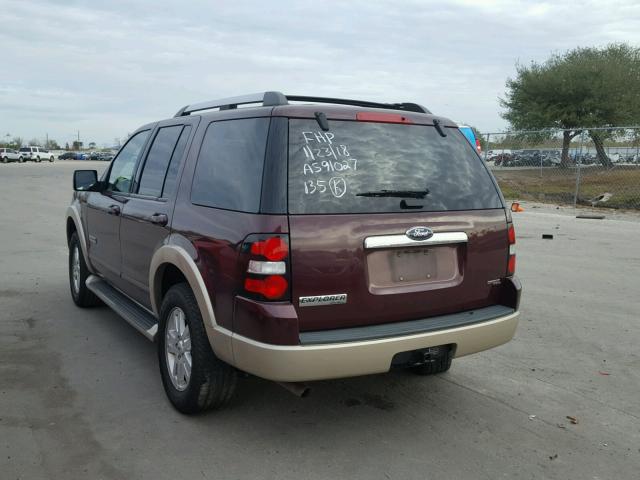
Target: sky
[{"x": 105, "y": 68}]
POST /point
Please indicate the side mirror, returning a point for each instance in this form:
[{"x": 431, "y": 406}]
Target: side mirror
[{"x": 84, "y": 180}]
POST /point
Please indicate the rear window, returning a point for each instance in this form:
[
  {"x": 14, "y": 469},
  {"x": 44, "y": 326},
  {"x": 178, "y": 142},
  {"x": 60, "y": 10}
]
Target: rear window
[
  {"x": 353, "y": 167},
  {"x": 25, "y": 149}
]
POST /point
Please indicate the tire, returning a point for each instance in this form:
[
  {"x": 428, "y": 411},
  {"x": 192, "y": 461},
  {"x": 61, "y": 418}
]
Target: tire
[
  {"x": 439, "y": 364},
  {"x": 20, "y": 160},
  {"x": 78, "y": 274},
  {"x": 51, "y": 159},
  {"x": 212, "y": 382},
  {"x": 38, "y": 160},
  {"x": 5, "y": 159}
]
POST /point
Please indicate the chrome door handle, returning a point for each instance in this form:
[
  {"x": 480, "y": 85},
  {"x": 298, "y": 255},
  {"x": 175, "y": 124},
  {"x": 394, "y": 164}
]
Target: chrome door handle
[
  {"x": 113, "y": 210},
  {"x": 159, "y": 219}
]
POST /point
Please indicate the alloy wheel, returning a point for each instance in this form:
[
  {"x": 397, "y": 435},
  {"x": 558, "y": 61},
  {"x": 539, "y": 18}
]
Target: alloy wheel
[{"x": 177, "y": 347}]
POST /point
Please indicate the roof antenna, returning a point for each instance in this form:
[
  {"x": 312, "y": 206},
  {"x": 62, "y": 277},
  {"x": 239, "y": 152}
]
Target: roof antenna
[{"x": 321, "y": 118}]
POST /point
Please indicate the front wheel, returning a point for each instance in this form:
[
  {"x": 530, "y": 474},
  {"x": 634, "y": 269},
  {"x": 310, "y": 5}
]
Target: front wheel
[
  {"x": 78, "y": 274},
  {"x": 51, "y": 159},
  {"x": 20, "y": 160},
  {"x": 193, "y": 377},
  {"x": 38, "y": 160},
  {"x": 5, "y": 159}
]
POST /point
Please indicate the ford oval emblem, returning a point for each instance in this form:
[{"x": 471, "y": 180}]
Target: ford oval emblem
[{"x": 419, "y": 233}]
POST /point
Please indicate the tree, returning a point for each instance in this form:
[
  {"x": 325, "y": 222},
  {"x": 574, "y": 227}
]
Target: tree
[
  {"x": 77, "y": 145},
  {"x": 17, "y": 141},
  {"x": 92, "y": 145},
  {"x": 577, "y": 91},
  {"x": 52, "y": 145},
  {"x": 66, "y": 146}
]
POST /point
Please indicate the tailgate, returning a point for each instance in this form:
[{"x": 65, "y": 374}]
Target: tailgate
[{"x": 364, "y": 270}]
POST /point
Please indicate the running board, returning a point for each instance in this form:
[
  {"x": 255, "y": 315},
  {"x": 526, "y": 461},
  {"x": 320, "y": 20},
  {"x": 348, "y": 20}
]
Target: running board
[{"x": 139, "y": 318}]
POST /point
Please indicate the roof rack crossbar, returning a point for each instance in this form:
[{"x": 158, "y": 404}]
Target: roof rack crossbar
[
  {"x": 267, "y": 99},
  {"x": 270, "y": 99}
]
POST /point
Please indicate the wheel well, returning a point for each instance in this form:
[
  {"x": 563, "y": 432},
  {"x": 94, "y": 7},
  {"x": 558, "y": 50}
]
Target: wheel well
[
  {"x": 171, "y": 276},
  {"x": 71, "y": 227}
]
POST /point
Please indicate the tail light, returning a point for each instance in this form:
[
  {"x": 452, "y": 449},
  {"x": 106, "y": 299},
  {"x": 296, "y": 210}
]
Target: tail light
[
  {"x": 266, "y": 267},
  {"x": 511, "y": 262},
  {"x": 478, "y": 145}
]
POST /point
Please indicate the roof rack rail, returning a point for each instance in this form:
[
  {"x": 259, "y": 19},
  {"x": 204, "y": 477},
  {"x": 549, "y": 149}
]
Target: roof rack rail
[
  {"x": 410, "y": 107},
  {"x": 267, "y": 99},
  {"x": 271, "y": 99}
]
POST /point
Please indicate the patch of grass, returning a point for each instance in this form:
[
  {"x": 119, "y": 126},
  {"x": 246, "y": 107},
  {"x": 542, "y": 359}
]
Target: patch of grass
[{"x": 558, "y": 185}]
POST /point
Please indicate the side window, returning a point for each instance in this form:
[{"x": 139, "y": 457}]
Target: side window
[
  {"x": 155, "y": 168},
  {"x": 123, "y": 165},
  {"x": 172, "y": 172},
  {"x": 230, "y": 163}
]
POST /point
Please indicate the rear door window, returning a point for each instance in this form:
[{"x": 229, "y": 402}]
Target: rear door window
[
  {"x": 158, "y": 158},
  {"x": 365, "y": 167},
  {"x": 172, "y": 172},
  {"x": 230, "y": 164}
]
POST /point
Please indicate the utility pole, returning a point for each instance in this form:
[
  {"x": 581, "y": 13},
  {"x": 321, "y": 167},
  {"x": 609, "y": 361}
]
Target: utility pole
[{"x": 46, "y": 144}]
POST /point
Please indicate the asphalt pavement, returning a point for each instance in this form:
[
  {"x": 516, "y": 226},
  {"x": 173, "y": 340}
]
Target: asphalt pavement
[{"x": 81, "y": 397}]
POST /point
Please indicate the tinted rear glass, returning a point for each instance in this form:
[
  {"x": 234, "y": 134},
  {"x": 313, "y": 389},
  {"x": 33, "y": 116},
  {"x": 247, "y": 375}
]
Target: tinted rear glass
[
  {"x": 327, "y": 170},
  {"x": 172, "y": 172},
  {"x": 155, "y": 168},
  {"x": 230, "y": 164}
]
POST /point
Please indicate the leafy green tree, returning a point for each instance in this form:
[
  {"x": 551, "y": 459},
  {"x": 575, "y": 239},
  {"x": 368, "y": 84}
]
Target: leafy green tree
[{"x": 577, "y": 91}]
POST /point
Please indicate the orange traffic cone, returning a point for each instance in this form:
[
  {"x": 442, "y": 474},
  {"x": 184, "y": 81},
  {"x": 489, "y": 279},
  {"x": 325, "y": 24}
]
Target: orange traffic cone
[{"x": 515, "y": 207}]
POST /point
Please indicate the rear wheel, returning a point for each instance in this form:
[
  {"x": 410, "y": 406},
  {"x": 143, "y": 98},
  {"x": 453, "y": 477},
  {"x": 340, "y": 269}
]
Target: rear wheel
[
  {"x": 78, "y": 274},
  {"x": 5, "y": 159},
  {"x": 20, "y": 160},
  {"x": 194, "y": 379},
  {"x": 51, "y": 159},
  {"x": 38, "y": 159}
]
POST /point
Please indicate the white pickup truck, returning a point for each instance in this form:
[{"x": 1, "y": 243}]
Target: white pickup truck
[{"x": 36, "y": 154}]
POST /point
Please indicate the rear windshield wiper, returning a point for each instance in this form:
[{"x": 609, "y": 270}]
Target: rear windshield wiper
[{"x": 396, "y": 193}]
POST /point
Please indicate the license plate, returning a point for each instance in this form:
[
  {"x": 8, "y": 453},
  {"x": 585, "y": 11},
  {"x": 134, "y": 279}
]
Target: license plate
[{"x": 410, "y": 265}]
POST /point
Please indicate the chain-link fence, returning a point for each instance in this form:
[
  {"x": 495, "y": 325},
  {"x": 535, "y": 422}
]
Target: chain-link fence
[{"x": 595, "y": 166}]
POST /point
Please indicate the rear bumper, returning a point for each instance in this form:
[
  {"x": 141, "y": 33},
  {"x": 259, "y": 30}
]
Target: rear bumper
[{"x": 349, "y": 359}]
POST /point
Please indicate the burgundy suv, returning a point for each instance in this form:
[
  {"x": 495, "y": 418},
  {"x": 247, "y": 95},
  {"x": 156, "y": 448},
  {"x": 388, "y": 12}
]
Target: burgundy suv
[{"x": 296, "y": 242}]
